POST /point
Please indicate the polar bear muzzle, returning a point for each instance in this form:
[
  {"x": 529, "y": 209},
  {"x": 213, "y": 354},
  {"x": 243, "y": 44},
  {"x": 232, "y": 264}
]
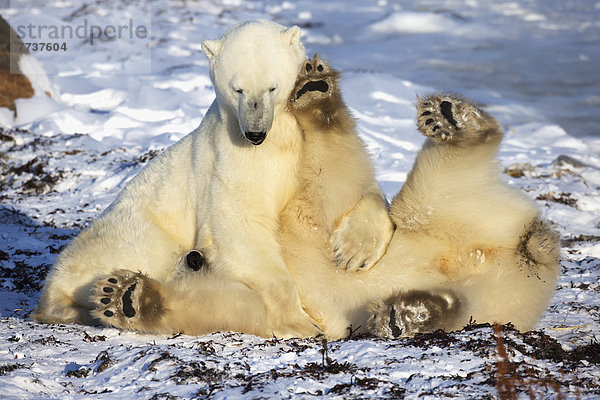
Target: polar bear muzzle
[{"x": 255, "y": 116}]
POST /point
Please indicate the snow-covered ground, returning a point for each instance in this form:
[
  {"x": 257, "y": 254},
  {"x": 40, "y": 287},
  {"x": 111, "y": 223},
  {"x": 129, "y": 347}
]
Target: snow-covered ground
[{"x": 532, "y": 63}]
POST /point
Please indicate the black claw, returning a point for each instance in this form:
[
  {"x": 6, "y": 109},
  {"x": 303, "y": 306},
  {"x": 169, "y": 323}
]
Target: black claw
[
  {"x": 105, "y": 300},
  {"x": 425, "y": 113},
  {"x": 429, "y": 121},
  {"x": 113, "y": 280},
  {"x": 109, "y": 313},
  {"x": 107, "y": 290},
  {"x": 349, "y": 262}
]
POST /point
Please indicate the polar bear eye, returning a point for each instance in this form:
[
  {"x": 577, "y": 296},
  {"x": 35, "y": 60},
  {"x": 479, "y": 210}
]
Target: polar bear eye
[
  {"x": 272, "y": 89},
  {"x": 239, "y": 91}
]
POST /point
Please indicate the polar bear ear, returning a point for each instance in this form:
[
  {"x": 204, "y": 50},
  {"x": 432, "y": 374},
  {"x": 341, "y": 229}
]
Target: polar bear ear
[
  {"x": 291, "y": 35},
  {"x": 211, "y": 48}
]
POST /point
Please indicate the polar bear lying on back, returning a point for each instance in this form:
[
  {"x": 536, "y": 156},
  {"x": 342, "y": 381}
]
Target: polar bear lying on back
[
  {"x": 467, "y": 247},
  {"x": 213, "y": 198}
]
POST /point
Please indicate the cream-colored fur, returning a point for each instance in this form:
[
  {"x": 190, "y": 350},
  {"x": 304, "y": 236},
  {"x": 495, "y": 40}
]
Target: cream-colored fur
[
  {"x": 338, "y": 199},
  {"x": 220, "y": 190},
  {"x": 460, "y": 228}
]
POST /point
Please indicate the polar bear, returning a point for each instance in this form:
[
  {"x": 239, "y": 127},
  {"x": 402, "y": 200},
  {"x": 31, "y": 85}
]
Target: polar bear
[
  {"x": 467, "y": 247},
  {"x": 345, "y": 210},
  {"x": 212, "y": 199}
]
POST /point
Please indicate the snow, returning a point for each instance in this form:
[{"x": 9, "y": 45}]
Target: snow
[
  {"x": 117, "y": 103},
  {"x": 413, "y": 22}
]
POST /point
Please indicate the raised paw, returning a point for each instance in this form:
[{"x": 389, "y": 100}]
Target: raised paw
[
  {"x": 128, "y": 300},
  {"x": 362, "y": 235},
  {"x": 409, "y": 313},
  {"x": 317, "y": 90},
  {"x": 454, "y": 119}
]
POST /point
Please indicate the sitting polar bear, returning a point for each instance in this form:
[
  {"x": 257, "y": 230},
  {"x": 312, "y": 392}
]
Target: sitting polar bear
[{"x": 215, "y": 199}]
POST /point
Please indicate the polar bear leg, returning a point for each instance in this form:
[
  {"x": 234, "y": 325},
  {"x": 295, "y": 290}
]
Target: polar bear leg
[
  {"x": 361, "y": 233},
  {"x": 287, "y": 317},
  {"x": 416, "y": 311},
  {"x": 454, "y": 175},
  {"x": 204, "y": 304}
]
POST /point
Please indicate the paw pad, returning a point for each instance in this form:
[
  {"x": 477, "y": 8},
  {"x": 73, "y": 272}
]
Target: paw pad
[
  {"x": 436, "y": 118},
  {"x": 409, "y": 313},
  {"x": 446, "y": 109},
  {"x": 454, "y": 119},
  {"x": 394, "y": 326},
  {"x": 315, "y": 79},
  {"x": 128, "y": 309},
  {"x": 115, "y": 296}
]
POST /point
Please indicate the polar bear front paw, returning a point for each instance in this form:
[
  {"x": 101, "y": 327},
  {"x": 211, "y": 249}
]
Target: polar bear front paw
[
  {"x": 317, "y": 94},
  {"x": 409, "y": 313},
  {"x": 450, "y": 118},
  {"x": 362, "y": 236},
  {"x": 128, "y": 300}
]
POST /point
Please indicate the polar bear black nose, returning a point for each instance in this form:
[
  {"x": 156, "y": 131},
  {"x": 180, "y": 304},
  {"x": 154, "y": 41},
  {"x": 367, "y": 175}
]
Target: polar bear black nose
[{"x": 256, "y": 138}]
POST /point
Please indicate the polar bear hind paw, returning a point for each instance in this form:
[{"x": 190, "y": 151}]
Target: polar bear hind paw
[
  {"x": 539, "y": 248},
  {"x": 451, "y": 118},
  {"x": 417, "y": 311},
  {"x": 128, "y": 300}
]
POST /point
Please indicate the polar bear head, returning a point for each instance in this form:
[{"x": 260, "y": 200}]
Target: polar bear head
[{"x": 253, "y": 68}]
